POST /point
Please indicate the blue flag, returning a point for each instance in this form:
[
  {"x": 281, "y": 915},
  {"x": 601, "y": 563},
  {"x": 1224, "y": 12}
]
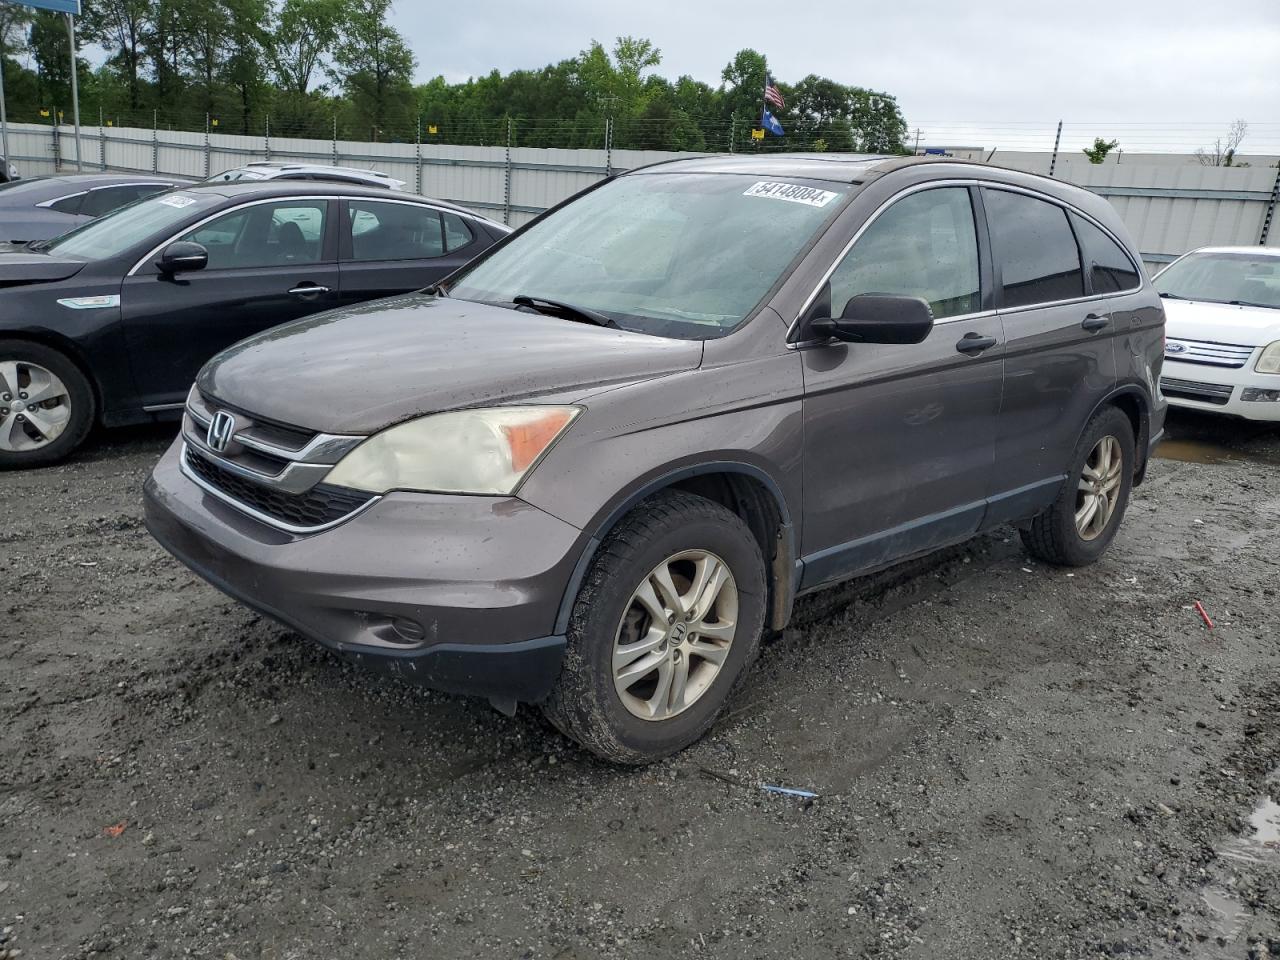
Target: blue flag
[{"x": 770, "y": 123}]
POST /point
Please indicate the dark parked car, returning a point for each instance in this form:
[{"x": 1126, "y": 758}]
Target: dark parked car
[
  {"x": 110, "y": 323},
  {"x": 597, "y": 466},
  {"x": 44, "y": 207}
]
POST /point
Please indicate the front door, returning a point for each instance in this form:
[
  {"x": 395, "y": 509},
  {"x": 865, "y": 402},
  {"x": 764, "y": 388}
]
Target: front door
[
  {"x": 268, "y": 263},
  {"x": 900, "y": 439}
]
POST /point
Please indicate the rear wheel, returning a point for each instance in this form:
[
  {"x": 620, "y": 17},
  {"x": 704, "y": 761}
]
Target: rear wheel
[
  {"x": 1082, "y": 522},
  {"x": 46, "y": 405},
  {"x": 667, "y": 620}
]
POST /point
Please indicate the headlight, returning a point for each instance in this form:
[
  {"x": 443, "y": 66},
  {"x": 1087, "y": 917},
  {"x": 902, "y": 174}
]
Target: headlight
[
  {"x": 1269, "y": 362},
  {"x": 467, "y": 451}
]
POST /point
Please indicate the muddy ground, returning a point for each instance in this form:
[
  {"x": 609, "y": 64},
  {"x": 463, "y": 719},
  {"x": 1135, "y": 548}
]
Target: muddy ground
[{"x": 1012, "y": 760}]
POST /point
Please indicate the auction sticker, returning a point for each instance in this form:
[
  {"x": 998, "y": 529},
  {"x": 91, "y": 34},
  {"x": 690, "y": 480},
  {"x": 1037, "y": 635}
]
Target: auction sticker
[
  {"x": 178, "y": 200},
  {"x": 790, "y": 191}
]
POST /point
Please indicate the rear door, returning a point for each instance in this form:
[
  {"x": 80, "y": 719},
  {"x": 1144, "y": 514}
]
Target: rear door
[
  {"x": 900, "y": 439},
  {"x": 269, "y": 263},
  {"x": 396, "y": 246},
  {"x": 1060, "y": 355}
]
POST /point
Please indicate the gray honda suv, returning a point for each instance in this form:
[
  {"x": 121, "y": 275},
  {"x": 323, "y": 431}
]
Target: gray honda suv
[{"x": 591, "y": 469}]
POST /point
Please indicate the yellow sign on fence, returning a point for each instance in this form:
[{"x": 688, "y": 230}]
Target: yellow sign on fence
[
  {"x": 432, "y": 128},
  {"x": 757, "y": 133}
]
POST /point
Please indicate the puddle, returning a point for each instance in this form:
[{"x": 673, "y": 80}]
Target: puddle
[
  {"x": 1263, "y": 845},
  {"x": 1259, "y": 845},
  {"x": 1195, "y": 451}
]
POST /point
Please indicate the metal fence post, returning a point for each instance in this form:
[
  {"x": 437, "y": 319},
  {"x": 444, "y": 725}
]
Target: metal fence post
[
  {"x": 56, "y": 134},
  {"x": 1053, "y": 160},
  {"x": 608, "y": 147},
  {"x": 506, "y": 183},
  {"x": 1271, "y": 209},
  {"x": 155, "y": 141},
  {"x": 417, "y": 150},
  {"x": 335, "y": 140},
  {"x": 207, "y": 158},
  {"x": 266, "y": 138},
  {"x": 102, "y": 141},
  {"x": 733, "y": 132}
]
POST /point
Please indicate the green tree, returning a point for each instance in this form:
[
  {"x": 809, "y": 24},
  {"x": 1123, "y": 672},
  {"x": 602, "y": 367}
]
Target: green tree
[
  {"x": 374, "y": 66},
  {"x": 305, "y": 36},
  {"x": 120, "y": 27},
  {"x": 1098, "y": 152}
]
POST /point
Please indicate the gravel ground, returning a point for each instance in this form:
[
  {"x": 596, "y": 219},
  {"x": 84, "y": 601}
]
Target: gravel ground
[{"x": 1012, "y": 760}]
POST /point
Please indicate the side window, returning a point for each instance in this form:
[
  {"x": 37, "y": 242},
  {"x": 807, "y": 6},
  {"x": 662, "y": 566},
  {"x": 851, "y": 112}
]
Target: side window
[
  {"x": 395, "y": 231},
  {"x": 1109, "y": 266},
  {"x": 924, "y": 245},
  {"x": 1034, "y": 248},
  {"x": 265, "y": 235},
  {"x": 68, "y": 204},
  {"x": 456, "y": 232}
]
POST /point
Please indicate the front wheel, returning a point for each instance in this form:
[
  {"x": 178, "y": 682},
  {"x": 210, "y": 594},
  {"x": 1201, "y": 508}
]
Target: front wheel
[
  {"x": 667, "y": 620},
  {"x": 1083, "y": 521},
  {"x": 46, "y": 405}
]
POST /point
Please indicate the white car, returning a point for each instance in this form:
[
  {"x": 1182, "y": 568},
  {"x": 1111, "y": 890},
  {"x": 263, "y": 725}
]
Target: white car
[
  {"x": 1222, "y": 346},
  {"x": 267, "y": 170}
]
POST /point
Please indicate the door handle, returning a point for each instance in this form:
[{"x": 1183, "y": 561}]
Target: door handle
[
  {"x": 975, "y": 343},
  {"x": 1096, "y": 321},
  {"x": 309, "y": 290}
]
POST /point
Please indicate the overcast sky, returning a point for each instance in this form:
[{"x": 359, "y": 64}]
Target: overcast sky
[{"x": 1015, "y": 66}]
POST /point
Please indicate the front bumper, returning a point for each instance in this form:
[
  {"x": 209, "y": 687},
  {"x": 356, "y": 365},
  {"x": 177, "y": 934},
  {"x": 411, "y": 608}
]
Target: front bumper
[
  {"x": 1213, "y": 389},
  {"x": 457, "y": 593}
]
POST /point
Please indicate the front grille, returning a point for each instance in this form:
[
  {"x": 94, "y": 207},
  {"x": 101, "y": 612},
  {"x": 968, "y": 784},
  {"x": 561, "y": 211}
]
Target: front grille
[
  {"x": 321, "y": 505},
  {"x": 1208, "y": 353},
  {"x": 1215, "y": 393}
]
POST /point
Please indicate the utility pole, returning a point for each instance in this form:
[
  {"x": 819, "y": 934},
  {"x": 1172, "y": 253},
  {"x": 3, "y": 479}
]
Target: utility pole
[
  {"x": 916, "y": 148},
  {"x": 75, "y": 90}
]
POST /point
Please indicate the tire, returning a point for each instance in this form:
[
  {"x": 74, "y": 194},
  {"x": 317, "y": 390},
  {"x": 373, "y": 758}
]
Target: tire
[
  {"x": 72, "y": 410},
  {"x": 681, "y": 531},
  {"x": 1055, "y": 536}
]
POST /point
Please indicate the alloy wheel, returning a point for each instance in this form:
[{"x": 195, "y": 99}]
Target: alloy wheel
[
  {"x": 1099, "y": 488},
  {"x": 675, "y": 635},
  {"x": 35, "y": 406}
]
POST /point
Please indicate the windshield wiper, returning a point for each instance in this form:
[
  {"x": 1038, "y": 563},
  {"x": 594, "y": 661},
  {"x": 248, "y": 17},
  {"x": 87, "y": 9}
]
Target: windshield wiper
[
  {"x": 1250, "y": 303},
  {"x": 566, "y": 310},
  {"x": 1172, "y": 296}
]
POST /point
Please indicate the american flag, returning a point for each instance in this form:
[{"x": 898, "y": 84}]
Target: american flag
[{"x": 771, "y": 94}]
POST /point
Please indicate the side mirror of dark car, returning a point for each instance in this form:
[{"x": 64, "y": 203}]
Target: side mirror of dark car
[
  {"x": 877, "y": 318},
  {"x": 182, "y": 257}
]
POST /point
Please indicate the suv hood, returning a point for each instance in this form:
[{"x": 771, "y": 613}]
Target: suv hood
[
  {"x": 1221, "y": 323},
  {"x": 19, "y": 265},
  {"x": 361, "y": 369}
]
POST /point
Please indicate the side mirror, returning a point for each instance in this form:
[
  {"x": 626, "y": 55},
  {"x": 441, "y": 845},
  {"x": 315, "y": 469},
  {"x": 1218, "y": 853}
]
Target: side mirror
[
  {"x": 182, "y": 257},
  {"x": 877, "y": 318}
]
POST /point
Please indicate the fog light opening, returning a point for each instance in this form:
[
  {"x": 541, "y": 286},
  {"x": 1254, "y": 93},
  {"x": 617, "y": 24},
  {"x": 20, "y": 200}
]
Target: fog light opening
[
  {"x": 408, "y": 631},
  {"x": 1258, "y": 395}
]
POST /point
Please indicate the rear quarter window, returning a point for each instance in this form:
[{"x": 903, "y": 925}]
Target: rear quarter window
[{"x": 1109, "y": 267}]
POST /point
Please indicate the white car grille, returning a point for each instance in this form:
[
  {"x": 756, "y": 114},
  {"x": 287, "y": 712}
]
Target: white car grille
[{"x": 1206, "y": 352}]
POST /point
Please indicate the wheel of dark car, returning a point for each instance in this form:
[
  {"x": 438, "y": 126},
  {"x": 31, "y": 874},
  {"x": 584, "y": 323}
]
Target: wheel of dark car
[
  {"x": 1084, "y": 519},
  {"x": 46, "y": 405},
  {"x": 667, "y": 620}
]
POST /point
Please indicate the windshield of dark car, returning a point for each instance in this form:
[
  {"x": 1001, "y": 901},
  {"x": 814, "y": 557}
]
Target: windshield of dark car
[
  {"x": 1224, "y": 278},
  {"x": 677, "y": 254},
  {"x": 136, "y": 223}
]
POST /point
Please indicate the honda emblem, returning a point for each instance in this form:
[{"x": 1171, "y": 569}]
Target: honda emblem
[{"x": 221, "y": 429}]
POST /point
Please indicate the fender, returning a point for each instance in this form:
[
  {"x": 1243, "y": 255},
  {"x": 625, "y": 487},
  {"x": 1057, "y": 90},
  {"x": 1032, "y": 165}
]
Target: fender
[
  {"x": 786, "y": 573},
  {"x": 1142, "y": 440}
]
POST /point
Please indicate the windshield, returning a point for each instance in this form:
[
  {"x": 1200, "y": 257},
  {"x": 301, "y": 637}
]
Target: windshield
[
  {"x": 674, "y": 254},
  {"x": 1224, "y": 278},
  {"x": 121, "y": 229}
]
